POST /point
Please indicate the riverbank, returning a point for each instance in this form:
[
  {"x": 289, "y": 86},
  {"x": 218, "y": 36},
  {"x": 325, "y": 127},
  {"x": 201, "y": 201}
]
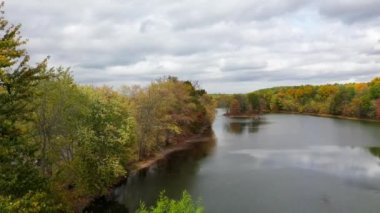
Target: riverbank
[
  {"x": 270, "y": 159},
  {"x": 253, "y": 116},
  {"x": 144, "y": 164},
  {"x": 329, "y": 116}
]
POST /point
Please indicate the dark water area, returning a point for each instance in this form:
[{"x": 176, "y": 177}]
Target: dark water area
[{"x": 282, "y": 163}]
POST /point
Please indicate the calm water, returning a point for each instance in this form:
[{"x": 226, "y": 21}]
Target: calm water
[{"x": 283, "y": 163}]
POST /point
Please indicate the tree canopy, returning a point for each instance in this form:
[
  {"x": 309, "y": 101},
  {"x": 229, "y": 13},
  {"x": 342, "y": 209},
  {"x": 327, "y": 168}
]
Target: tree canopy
[
  {"x": 62, "y": 143},
  {"x": 351, "y": 100}
]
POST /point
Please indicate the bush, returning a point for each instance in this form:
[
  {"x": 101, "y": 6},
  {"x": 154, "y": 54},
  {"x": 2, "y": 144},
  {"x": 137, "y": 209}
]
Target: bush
[
  {"x": 166, "y": 205},
  {"x": 30, "y": 202}
]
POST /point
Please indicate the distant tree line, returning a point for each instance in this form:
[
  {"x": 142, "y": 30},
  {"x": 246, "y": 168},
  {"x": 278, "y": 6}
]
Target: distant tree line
[
  {"x": 352, "y": 100},
  {"x": 61, "y": 143}
]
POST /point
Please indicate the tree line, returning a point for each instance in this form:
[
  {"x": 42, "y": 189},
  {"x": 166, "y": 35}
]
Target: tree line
[
  {"x": 359, "y": 100},
  {"x": 62, "y": 143}
]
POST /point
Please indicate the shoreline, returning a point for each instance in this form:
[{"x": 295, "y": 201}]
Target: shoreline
[
  {"x": 254, "y": 116},
  {"x": 137, "y": 166},
  {"x": 183, "y": 145},
  {"x": 328, "y": 116}
]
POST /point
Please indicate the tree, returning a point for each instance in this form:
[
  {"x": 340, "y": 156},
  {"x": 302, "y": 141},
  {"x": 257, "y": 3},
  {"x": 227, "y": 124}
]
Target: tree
[
  {"x": 164, "y": 205},
  {"x": 366, "y": 107},
  {"x": 60, "y": 110},
  {"x": 168, "y": 108},
  {"x": 235, "y": 107},
  {"x": 352, "y": 99},
  {"x": 342, "y": 97},
  {"x": 104, "y": 141},
  {"x": 31, "y": 203},
  {"x": 18, "y": 173},
  {"x": 254, "y": 101},
  {"x": 61, "y": 142},
  {"x": 374, "y": 88},
  {"x": 146, "y": 106},
  {"x": 275, "y": 103}
]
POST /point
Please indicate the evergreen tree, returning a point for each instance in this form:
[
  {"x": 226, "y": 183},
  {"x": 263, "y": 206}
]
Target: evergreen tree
[{"x": 18, "y": 173}]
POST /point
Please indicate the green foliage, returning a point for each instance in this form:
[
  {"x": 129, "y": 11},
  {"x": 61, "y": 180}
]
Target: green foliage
[
  {"x": 254, "y": 101},
  {"x": 105, "y": 138},
  {"x": 343, "y": 97},
  {"x": 353, "y": 100},
  {"x": 243, "y": 102},
  {"x": 30, "y": 203},
  {"x": 18, "y": 173},
  {"x": 61, "y": 142},
  {"x": 375, "y": 88},
  {"x": 166, "y": 205},
  {"x": 167, "y": 109},
  {"x": 366, "y": 107}
]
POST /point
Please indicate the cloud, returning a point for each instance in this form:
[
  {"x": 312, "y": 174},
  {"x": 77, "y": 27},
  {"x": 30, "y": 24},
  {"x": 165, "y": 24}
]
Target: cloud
[
  {"x": 227, "y": 46},
  {"x": 351, "y": 11},
  {"x": 325, "y": 159}
]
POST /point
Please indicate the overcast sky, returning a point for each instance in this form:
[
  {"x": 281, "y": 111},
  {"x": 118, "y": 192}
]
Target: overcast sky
[{"x": 227, "y": 45}]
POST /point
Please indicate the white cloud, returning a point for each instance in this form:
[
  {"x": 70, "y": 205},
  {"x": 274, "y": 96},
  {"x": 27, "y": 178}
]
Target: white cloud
[{"x": 227, "y": 46}]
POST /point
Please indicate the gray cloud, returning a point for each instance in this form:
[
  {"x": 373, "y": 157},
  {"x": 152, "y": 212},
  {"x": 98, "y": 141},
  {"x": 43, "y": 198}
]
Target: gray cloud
[
  {"x": 351, "y": 11},
  {"x": 228, "y": 46}
]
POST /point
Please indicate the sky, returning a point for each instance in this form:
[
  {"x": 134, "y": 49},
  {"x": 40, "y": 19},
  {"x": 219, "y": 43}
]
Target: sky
[{"x": 228, "y": 46}]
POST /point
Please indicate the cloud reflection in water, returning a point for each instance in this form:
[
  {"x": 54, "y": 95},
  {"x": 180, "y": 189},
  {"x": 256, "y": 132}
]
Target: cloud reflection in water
[{"x": 348, "y": 162}]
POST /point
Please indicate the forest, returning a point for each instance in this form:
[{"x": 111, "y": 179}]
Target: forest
[
  {"x": 62, "y": 143},
  {"x": 356, "y": 100}
]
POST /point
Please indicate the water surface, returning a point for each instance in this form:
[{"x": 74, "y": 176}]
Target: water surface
[{"x": 282, "y": 163}]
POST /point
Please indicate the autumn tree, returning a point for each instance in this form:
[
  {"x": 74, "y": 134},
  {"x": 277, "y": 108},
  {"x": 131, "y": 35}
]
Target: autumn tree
[
  {"x": 234, "y": 107},
  {"x": 352, "y": 99},
  {"x": 166, "y": 109}
]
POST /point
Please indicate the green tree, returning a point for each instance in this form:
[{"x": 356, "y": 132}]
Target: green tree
[
  {"x": 31, "y": 203},
  {"x": 60, "y": 110},
  {"x": 18, "y": 173},
  {"x": 104, "y": 142},
  {"x": 341, "y": 99},
  {"x": 374, "y": 88},
  {"x": 254, "y": 101},
  {"x": 166, "y": 205},
  {"x": 366, "y": 107}
]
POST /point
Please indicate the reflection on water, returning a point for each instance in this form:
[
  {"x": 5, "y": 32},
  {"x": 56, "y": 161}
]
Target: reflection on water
[
  {"x": 341, "y": 161},
  {"x": 374, "y": 151},
  {"x": 240, "y": 126},
  {"x": 282, "y": 163},
  {"x": 174, "y": 172}
]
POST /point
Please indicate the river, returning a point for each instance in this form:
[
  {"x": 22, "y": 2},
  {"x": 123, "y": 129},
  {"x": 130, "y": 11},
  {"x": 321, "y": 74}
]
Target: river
[{"x": 282, "y": 163}]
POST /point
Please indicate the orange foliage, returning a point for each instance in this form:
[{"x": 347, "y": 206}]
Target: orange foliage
[
  {"x": 361, "y": 87},
  {"x": 327, "y": 90}
]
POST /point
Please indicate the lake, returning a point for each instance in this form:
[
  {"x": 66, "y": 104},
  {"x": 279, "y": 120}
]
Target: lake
[{"x": 282, "y": 163}]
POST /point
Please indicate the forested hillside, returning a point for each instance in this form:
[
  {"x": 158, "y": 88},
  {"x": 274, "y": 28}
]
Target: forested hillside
[
  {"x": 352, "y": 100},
  {"x": 62, "y": 143}
]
